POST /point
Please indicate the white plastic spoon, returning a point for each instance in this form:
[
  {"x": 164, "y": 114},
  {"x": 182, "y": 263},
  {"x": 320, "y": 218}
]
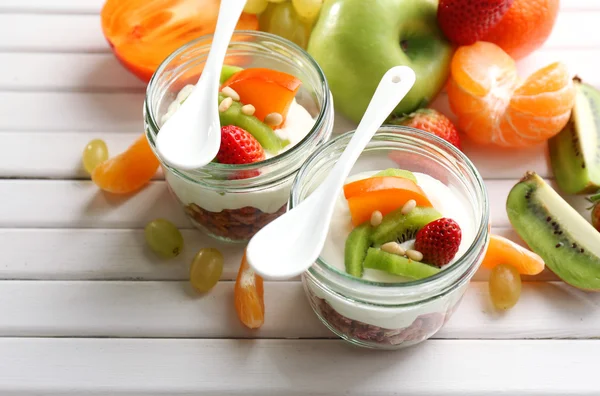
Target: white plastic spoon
[
  {"x": 191, "y": 137},
  {"x": 290, "y": 244}
]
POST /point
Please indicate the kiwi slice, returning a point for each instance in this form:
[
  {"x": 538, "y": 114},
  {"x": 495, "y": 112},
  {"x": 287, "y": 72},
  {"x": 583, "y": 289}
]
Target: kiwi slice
[
  {"x": 398, "y": 265},
  {"x": 261, "y": 131},
  {"x": 356, "y": 247},
  {"x": 403, "y": 227},
  {"x": 227, "y": 71},
  {"x": 397, "y": 173},
  {"x": 567, "y": 242},
  {"x": 575, "y": 151}
]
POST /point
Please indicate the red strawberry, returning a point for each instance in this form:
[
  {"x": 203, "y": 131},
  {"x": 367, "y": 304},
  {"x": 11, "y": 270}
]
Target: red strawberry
[
  {"x": 239, "y": 147},
  {"x": 467, "y": 21},
  {"x": 439, "y": 241},
  {"x": 595, "y": 199},
  {"x": 431, "y": 121}
]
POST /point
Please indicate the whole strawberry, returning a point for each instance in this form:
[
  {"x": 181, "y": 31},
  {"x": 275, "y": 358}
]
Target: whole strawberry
[
  {"x": 595, "y": 199},
  {"x": 467, "y": 21},
  {"x": 431, "y": 121},
  {"x": 439, "y": 241},
  {"x": 238, "y": 146}
]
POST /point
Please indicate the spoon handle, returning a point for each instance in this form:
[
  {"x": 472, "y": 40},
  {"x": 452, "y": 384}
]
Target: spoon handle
[
  {"x": 394, "y": 85},
  {"x": 229, "y": 15}
]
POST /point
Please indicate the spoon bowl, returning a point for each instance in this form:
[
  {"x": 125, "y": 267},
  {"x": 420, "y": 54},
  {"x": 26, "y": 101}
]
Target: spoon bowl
[
  {"x": 191, "y": 137},
  {"x": 290, "y": 244}
]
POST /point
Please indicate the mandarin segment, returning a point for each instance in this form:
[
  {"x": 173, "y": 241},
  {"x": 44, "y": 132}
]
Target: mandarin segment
[
  {"x": 493, "y": 108},
  {"x": 249, "y": 298},
  {"x": 128, "y": 171},
  {"x": 504, "y": 251}
]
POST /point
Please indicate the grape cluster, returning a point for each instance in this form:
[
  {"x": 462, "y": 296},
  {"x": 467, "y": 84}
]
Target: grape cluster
[{"x": 292, "y": 20}]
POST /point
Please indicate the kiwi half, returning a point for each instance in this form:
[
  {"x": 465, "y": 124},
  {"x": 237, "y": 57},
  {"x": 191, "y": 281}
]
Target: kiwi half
[
  {"x": 569, "y": 244},
  {"x": 575, "y": 151}
]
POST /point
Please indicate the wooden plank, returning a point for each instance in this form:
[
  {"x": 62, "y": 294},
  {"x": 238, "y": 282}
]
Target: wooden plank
[
  {"x": 68, "y": 111},
  {"x": 56, "y": 6},
  {"x": 102, "y": 367},
  {"x": 79, "y": 204},
  {"x": 82, "y": 33},
  {"x": 59, "y": 33},
  {"x": 169, "y": 309},
  {"x": 121, "y": 254},
  {"x": 58, "y": 155},
  {"x": 77, "y": 72}
]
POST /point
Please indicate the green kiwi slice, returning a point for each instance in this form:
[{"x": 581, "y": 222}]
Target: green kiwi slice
[
  {"x": 397, "y": 173},
  {"x": 227, "y": 71},
  {"x": 403, "y": 227},
  {"x": 398, "y": 265},
  {"x": 356, "y": 247},
  {"x": 575, "y": 151},
  {"x": 261, "y": 131},
  {"x": 566, "y": 241}
]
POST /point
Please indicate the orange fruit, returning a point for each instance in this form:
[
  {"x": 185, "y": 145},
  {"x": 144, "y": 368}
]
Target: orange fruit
[
  {"x": 249, "y": 296},
  {"x": 493, "y": 107},
  {"x": 128, "y": 171},
  {"x": 505, "y": 251},
  {"x": 525, "y": 27}
]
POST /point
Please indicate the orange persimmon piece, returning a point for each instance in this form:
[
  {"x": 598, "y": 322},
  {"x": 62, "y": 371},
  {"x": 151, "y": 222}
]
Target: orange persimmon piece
[
  {"x": 142, "y": 33},
  {"x": 248, "y": 295},
  {"x": 378, "y": 183},
  {"x": 504, "y": 251},
  {"x": 269, "y": 91},
  {"x": 128, "y": 171},
  {"x": 385, "y": 201}
]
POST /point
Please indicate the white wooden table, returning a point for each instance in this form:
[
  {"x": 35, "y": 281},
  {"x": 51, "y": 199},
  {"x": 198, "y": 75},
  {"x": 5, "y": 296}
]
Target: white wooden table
[{"x": 86, "y": 310}]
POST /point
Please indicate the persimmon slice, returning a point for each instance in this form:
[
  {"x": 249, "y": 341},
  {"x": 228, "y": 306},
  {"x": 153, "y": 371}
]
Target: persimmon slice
[
  {"x": 142, "y": 33},
  {"x": 248, "y": 295},
  {"x": 385, "y": 201},
  {"x": 269, "y": 91},
  {"x": 378, "y": 183}
]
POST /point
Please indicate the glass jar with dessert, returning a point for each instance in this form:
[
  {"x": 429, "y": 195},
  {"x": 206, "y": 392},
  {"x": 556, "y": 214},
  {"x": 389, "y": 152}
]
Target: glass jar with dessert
[
  {"x": 275, "y": 109},
  {"x": 410, "y": 229}
]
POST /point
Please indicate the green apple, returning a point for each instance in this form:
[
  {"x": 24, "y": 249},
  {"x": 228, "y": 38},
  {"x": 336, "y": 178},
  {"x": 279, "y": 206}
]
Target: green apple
[{"x": 356, "y": 41}]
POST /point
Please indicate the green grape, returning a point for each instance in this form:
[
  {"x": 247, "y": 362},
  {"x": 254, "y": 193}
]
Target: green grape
[
  {"x": 206, "y": 269},
  {"x": 255, "y": 6},
  {"x": 276, "y": 1},
  {"x": 307, "y": 10},
  {"x": 505, "y": 286},
  {"x": 282, "y": 20},
  {"x": 164, "y": 238},
  {"x": 94, "y": 153}
]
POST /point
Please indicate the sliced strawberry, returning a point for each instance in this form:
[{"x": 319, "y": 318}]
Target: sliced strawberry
[
  {"x": 466, "y": 21},
  {"x": 439, "y": 241},
  {"x": 238, "y": 146}
]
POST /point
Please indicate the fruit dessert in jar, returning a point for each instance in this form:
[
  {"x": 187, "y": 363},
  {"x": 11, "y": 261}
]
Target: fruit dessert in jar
[
  {"x": 275, "y": 110},
  {"x": 410, "y": 229}
]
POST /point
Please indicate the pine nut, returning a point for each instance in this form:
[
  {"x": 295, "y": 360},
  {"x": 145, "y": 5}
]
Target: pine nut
[
  {"x": 409, "y": 206},
  {"x": 376, "y": 218},
  {"x": 248, "y": 109},
  {"x": 228, "y": 91},
  {"x": 225, "y": 104},
  {"x": 393, "y": 248},
  {"x": 273, "y": 119},
  {"x": 414, "y": 255}
]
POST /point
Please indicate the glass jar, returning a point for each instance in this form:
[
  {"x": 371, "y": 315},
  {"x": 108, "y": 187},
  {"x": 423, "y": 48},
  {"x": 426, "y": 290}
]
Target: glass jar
[
  {"x": 386, "y": 315},
  {"x": 233, "y": 202}
]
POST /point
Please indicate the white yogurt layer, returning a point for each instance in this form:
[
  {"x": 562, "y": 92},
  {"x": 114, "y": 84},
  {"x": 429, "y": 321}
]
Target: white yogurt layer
[
  {"x": 444, "y": 199},
  {"x": 298, "y": 124}
]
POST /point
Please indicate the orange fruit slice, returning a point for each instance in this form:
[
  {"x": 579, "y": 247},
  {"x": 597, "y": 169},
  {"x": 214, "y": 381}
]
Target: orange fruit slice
[
  {"x": 505, "y": 251},
  {"x": 142, "y": 33},
  {"x": 493, "y": 107},
  {"x": 128, "y": 171},
  {"x": 249, "y": 296},
  {"x": 382, "y": 193}
]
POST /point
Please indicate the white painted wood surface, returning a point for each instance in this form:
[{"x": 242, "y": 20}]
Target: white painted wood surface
[{"x": 74, "y": 266}]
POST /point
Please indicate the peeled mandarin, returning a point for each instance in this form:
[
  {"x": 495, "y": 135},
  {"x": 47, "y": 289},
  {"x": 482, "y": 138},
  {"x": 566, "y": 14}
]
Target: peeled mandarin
[{"x": 504, "y": 251}]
